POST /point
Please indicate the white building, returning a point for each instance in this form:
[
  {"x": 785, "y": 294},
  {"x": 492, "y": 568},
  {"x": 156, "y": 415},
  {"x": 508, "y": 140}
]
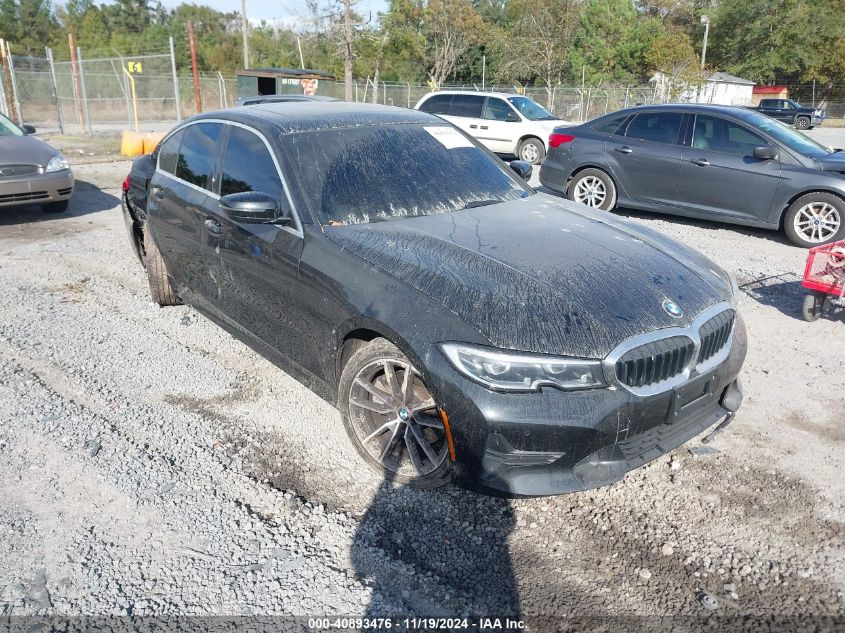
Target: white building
[{"x": 718, "y": 88}]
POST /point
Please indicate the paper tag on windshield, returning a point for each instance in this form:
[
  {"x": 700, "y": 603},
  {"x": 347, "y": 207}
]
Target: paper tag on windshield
[{"x": 449, "y": 137}]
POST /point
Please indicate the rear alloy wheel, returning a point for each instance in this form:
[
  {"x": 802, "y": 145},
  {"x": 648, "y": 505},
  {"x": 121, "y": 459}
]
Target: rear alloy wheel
[
  {"x": 594, "y": 188},
  {"x": 802, "y": 123},
  {"x": 531, "y": 150},
  {"x": 815, "y": 219},
  {"x": 392, "y": 418}
]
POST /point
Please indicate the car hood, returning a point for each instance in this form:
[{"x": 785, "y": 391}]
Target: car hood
[
  {"x": 25, "y": 150},
  {"x": 833, "y": 162},
  {"x": 542, "y": 274}
]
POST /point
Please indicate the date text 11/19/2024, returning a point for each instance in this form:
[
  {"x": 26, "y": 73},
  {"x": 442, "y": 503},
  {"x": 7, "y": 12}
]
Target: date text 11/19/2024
[{"x": 417, "y": 624}]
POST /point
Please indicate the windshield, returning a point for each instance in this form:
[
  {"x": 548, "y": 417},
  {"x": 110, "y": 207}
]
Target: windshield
[
  {"x": 531, "y": 110},
  {"x": 7, "y": 128},
  {"x": 377, "y": 173},
  {"x": 786, "y": 134}
]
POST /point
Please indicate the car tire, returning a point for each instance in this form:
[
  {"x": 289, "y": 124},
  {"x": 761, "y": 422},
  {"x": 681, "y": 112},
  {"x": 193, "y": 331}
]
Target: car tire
[
  {"x": 55, "y": 207},
  {"x": 386, "y": 426},
  {"x": 800, "y": 221},
  {"x": 531, "y": 150},
  {"x": 161, "y": 289},
  {"x": 811, "y": 309},
  {"x": 802, "y": 123},
  {"x": 594, "y": 188}
]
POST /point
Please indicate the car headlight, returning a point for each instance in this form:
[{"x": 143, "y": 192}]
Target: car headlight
[
  {"x": 512, "y": 371},
  {"x": 57, "y": 163}
]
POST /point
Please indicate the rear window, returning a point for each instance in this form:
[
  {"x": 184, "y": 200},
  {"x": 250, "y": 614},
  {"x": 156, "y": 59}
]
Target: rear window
[
  {"x": 198, "y": 153},
  {"x": 169, "y": 152},
  {"x": 466, "y": 105},
  {"x": 659, "y": 127},
  {"x": 438, "y": 104},
  {"x": 377, "y": 173}
]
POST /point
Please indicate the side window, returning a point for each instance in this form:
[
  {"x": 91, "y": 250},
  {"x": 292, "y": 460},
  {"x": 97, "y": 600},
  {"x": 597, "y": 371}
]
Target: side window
[
  {"x": 496, "y": 109},
  {"x": 438, "y": 104},
  {"x": 721, "y": 135},
  {"x": 788, "y": 105},
  {"x": 248, "y": 166},
  {"x": 611, "y": 125},
  {"x": 768, "y": 103},
  {"x": 169, "y": 151},
  {"x": 198, "y": 154},
  {"x": 660, "y": 127},
  {"x": 466, "y": 105}
]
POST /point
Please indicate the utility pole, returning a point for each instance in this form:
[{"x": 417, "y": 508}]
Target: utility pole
[
  {"x": 705, "y": 20},
  {"x": 347, "y": 49},
  {"x": 193, "y": 44},
  {"x": 245, "y": 33}
]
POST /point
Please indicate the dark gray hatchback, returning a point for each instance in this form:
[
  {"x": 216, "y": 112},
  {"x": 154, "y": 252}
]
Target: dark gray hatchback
[{"x": 713, "y": 162}]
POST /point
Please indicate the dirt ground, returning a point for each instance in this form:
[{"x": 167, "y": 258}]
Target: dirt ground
[{"x": 152, "y": 465}]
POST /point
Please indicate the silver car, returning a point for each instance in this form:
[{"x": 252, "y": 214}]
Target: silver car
[{"x": 31, "y": 171}]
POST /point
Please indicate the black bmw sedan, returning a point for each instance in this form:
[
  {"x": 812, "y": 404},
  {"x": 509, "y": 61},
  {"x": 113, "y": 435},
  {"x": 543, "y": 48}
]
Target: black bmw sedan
[
  {"x": 703, "y": 161},
  {"x": 468, "y": 328}
]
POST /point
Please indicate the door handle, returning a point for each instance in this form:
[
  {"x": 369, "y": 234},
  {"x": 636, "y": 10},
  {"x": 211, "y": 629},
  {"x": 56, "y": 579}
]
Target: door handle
[
  {"x": 483, "y": 127},
  {"x": 473, "y": 126},
  {"x": 158, "y": 193},
  {"x": 624, "y": 150},
  {"x": 701, "y": 162},
  {"x": 212, "y": 226}
]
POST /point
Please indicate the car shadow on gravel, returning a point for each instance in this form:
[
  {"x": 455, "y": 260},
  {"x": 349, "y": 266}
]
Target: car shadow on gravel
[
  {"x": 785, "y": 293},
  {"x": 87, "y": 198},
  {"x": 436, "y": 553},
  {"x": 712, "y": 225}
]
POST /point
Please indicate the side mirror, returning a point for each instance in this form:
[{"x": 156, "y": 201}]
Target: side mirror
[
  {"x": 522, "y": 168},
  {"x": 251, "y": 207},
  {"x": 28, "y": 129},
  {"x": 765, "y": 152}
]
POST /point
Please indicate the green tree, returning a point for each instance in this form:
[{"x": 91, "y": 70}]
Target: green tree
[{"x": 611, "y": 42}]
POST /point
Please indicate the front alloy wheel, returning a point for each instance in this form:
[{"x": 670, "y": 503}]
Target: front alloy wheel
[
  {"x": 391, "y": 416},
  {"x": 815, "y": 219}
]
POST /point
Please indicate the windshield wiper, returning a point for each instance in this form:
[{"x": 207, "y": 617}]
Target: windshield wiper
[{"x": 480, "y": 203}]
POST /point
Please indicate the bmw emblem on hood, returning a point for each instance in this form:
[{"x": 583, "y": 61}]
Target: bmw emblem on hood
[{"x": 672, "y": 309}]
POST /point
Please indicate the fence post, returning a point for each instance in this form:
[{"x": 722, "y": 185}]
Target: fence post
[
  {"x": 83, "y": 93},
  {"x": 175, "y": 81},
  {"x": 221, "y": 88},
  {"x": 55, "y": 89},
  {"x": 124, "y": 77},
  {"x": 15, "y": 101},
  {"x": 409, "y": 94},
  {"x": 4, "y": 104}
]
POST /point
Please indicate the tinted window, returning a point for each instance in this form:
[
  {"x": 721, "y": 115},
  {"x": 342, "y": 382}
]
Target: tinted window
[
  {"x": 169, "y": 151},
  {"x": 466, "y": 105},
  {"x": 438, "y": 104},
  {"x": 609, "y": 125},
  {"x": 420, "y": 170},
  {"x": 498, "y": 110},
  {"x": 785, "y": 134},
  {"x": 248, "y": 166},
  {"x": 768, "y": 103},
  {"x": 721, "y": 135},
  {"x": 198, "y": 153},
  {"x": 660, "y": 127}
]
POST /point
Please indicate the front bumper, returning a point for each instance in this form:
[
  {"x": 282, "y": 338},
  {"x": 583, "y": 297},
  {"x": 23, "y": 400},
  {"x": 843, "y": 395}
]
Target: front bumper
[
  {"x": 555, "y": 442},
  {"x": 37, "y": 189}
]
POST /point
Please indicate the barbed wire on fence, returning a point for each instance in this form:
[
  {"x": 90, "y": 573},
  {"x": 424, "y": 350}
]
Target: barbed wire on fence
[{"x": 97, "y": 94}]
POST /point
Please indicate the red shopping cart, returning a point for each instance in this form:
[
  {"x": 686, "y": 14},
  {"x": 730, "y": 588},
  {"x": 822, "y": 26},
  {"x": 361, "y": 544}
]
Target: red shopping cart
[{"x": 824, "y": 276}]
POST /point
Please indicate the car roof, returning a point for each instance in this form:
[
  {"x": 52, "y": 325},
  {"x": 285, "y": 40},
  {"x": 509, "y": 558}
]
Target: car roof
[
  {"x": 699, "y": 108},
  {"x": 257, "y": 99},
  {"x": 312, "y": 116},
  {"x": 482, "y": 93}
]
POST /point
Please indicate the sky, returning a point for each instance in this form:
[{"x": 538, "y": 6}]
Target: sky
[{"x": 285, "y": 11}]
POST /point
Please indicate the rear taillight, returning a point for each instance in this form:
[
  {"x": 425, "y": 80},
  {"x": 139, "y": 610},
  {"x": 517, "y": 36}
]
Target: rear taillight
[
  {"x": 126, "y": 184},
  {"x": 557, "y": 139}
]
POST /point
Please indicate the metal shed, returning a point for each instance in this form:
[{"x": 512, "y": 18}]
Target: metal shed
[{"x": 279, "y": 81}]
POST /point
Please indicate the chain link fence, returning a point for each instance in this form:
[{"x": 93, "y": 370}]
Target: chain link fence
[{"x": 110, "y": 94}]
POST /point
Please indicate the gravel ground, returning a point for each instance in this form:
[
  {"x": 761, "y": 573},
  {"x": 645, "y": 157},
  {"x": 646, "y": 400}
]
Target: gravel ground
[{"x": 152, "y": 465}]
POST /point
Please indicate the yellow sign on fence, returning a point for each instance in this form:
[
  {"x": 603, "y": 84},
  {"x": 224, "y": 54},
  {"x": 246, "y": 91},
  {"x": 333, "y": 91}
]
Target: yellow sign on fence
[{"x": 134, "y": 67}]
